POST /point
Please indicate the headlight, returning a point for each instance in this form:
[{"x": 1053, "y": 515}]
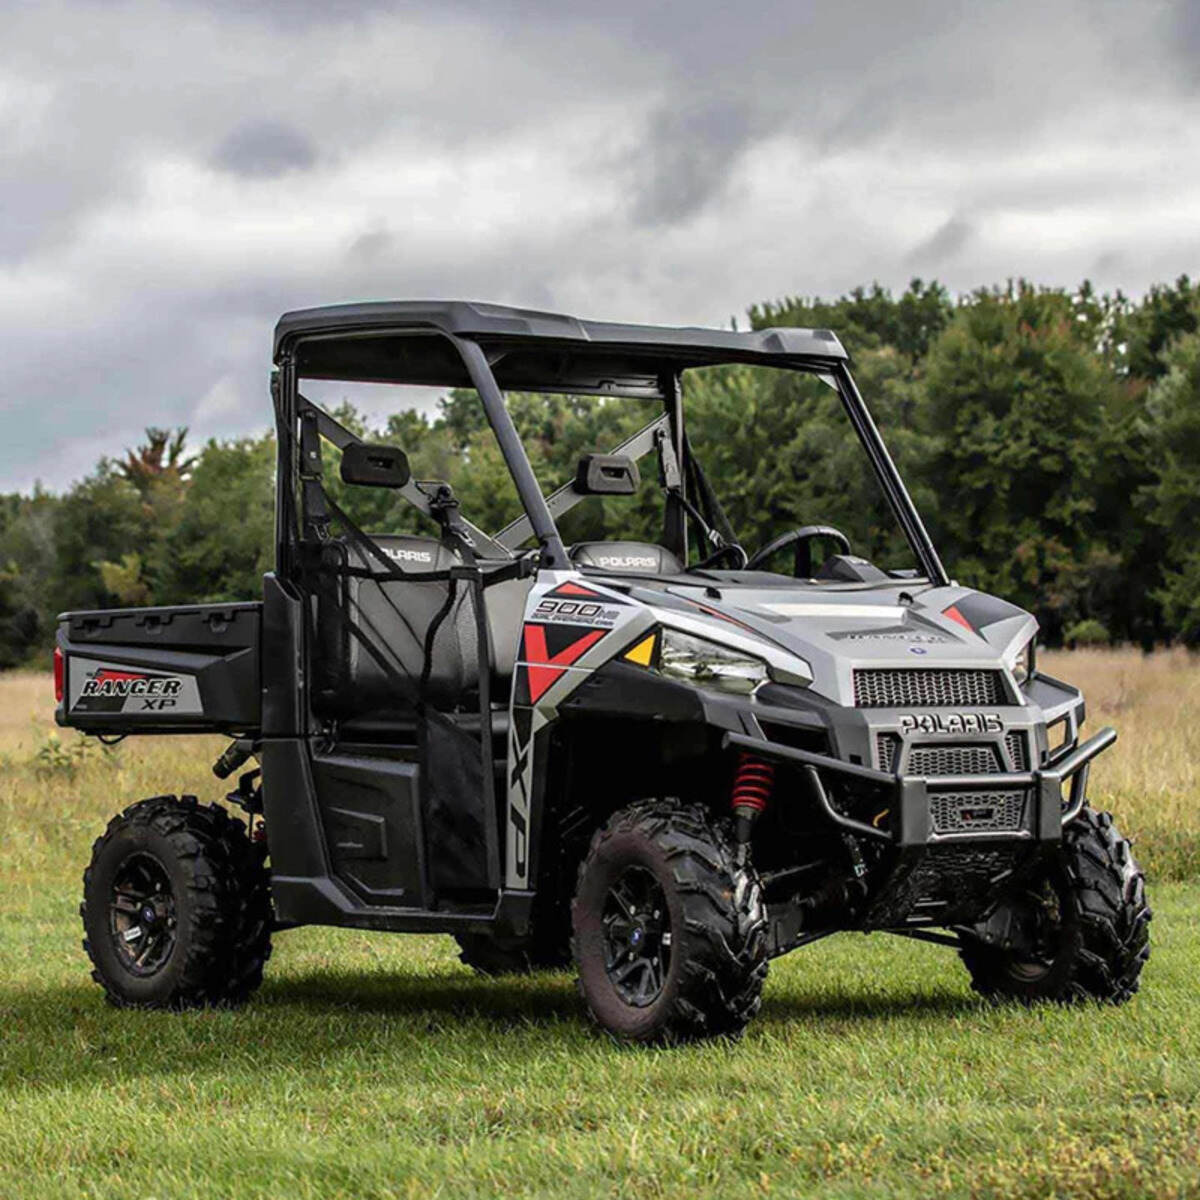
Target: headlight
[
  {"x": 695, "y": 660},
  {"x": 1023, "y": 664}
]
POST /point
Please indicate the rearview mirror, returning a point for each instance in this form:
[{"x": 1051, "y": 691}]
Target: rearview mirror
[
  {"x": 375, "y": 466},
  {"x": 607, "y": 475}
]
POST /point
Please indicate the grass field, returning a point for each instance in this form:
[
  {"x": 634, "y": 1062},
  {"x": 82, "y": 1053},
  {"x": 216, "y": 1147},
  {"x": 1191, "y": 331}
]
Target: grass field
[{"x": 371, "y": 1066}]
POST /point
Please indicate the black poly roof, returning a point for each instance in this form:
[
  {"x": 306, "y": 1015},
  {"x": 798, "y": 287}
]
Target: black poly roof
[{"x": 493, "y": 322}]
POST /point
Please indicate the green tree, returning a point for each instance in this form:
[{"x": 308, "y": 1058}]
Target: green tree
[
  {"x": 99, "y": 520},
  {"x": 869, "y": 318},
  {"x": 224, "y": 538},
  {"x": 1146, "y": 331},
  {"x": 1016, "y": 397},
  {"x": 1172, "y": 500}
]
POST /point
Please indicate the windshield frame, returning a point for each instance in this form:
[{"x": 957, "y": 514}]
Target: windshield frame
[{"x": 669, "y": 365}]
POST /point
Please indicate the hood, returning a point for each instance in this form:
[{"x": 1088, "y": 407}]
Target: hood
[{"x": 834, "y": 631}]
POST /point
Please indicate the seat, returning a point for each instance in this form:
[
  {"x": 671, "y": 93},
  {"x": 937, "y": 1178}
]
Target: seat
[
  {"x": 364, "y": 623},
  {"x": 626, "y": 558}
]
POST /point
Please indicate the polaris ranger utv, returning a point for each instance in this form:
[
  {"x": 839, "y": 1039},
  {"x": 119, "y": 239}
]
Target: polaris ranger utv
[{"x": 669, "y": 762}]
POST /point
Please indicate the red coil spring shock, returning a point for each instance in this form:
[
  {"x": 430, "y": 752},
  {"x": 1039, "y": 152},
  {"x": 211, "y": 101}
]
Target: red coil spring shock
[{"x": 752, "y": 785}]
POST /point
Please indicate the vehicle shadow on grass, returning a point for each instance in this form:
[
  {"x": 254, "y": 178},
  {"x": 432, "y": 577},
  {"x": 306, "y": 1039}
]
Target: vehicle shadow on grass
[
  {"x": 505, "y": 1003},
  {"x": 851, "y": 1009},
  {"x": 68, "y": 1033}
]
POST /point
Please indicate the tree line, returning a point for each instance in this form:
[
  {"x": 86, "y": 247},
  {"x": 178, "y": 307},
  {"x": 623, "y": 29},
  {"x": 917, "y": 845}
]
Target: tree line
[{"x": 1050, "y": 438}]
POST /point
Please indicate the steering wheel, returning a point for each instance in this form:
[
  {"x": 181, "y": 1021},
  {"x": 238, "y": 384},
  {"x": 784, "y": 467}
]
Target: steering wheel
[
  {"x": 802, "y": 539},
  {"x": 730, "y": 550}
]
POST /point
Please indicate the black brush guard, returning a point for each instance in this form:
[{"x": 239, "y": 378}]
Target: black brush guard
[
  {"x": 907, "y": 796},
  {"x": 932, "y": 878}
]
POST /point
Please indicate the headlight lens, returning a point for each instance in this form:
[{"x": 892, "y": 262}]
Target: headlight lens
[
  {"x": 1023, "y": 664},
  {"x": 708, "y": 664}
]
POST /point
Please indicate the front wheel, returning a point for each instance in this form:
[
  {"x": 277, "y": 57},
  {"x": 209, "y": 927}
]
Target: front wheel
[
  {"x": 1079, "y": 931},
  {"x": 670, "y": 933}
]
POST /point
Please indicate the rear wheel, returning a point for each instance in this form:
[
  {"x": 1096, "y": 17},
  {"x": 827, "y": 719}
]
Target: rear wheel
[
  {"x": 1078, "y": 932},
  {"x": 176, "y": 907},
  {"x": 669, "y": 932}
]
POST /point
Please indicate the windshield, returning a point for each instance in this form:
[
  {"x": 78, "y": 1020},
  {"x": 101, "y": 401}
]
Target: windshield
[
  {"x": 774, "y": 447},
  {"x": 765, "y": 451}
]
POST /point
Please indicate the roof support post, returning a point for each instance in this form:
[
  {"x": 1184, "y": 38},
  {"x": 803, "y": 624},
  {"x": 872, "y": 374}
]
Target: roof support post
[
  {"x": 283, "y": 397},
  {"x": 675, "y": 533},
  {"x": 889, "y": 478},
  {"x": 554, "y": 554}
]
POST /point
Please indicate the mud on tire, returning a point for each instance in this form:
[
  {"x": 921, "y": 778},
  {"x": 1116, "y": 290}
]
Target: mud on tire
[
  {"x": 1102, "y": 939},
  {"x": 212, "y": 888},
  {"x": 711, "y": 975}
]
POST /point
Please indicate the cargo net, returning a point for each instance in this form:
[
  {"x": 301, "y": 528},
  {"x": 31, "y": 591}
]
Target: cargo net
[{"x": 389, "y": 641}]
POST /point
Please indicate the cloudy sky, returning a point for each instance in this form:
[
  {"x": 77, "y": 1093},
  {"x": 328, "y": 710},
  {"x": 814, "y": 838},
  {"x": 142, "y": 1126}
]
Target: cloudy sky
[{"x": 174, "y": 175}]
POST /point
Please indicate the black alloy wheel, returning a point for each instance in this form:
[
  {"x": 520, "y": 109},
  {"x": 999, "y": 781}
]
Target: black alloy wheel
[
  {"x": 142, "y": 916},
  {"x": 637, "y": 937}
]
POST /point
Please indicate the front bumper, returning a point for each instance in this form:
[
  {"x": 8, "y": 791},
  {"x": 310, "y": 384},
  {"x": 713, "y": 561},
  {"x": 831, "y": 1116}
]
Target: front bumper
[{"x": 1053, "y": 794}]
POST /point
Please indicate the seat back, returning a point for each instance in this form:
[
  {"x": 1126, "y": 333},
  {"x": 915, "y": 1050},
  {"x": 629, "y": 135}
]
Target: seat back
[
  {"x": 505, "y": 607},
  {"x": 363, "y": 624},
  {"x": 371, "y": 630},
  {"x": 626, "y": 558}
]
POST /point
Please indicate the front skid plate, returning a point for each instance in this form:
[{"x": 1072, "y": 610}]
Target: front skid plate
[{"x": 944, "y": 885}]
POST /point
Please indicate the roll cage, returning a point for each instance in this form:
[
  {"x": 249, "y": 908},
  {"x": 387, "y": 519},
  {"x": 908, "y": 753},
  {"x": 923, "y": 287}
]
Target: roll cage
[{"x": 494, "y": 348}]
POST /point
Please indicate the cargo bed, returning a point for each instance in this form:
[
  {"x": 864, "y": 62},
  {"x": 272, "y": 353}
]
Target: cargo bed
[{"x": 191, "y": 668}]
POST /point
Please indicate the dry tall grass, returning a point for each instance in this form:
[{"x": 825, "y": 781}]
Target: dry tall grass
[
  {"x": 57, "y": 789},
  {"x": 1150, "y": 779}
]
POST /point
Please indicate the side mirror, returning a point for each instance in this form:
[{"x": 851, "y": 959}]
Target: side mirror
[
  {"x": 607, "y": 475},
  {"x": 375, "y": 466}
]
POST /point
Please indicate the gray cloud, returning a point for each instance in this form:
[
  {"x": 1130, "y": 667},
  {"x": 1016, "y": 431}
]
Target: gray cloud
[
  {"x": 174, "y": 181},
  {"x": 686, "y": 156},
  {"x": 945, "y": 243},
  {"x": 264, "y": 150}
]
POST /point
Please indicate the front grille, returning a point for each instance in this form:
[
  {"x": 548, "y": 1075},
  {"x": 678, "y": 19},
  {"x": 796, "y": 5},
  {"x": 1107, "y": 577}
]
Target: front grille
[
  {"x": 930, "y": 688},
  {"x": 973, "y": 812},
  {"x": 953, "y": 760},
  {"x": 887, "y": 746},
  {"x": 1018, "y": 750}
]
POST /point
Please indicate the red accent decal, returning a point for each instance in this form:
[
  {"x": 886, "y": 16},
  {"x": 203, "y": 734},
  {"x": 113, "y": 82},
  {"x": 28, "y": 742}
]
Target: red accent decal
[
  {"x": 550, "y": 669},
  {"x": 106, "y": 676},
  {"x": 572, "y": 589},
  {"x": 954, "y": 615},
  {"x": 715, "y": 612}
]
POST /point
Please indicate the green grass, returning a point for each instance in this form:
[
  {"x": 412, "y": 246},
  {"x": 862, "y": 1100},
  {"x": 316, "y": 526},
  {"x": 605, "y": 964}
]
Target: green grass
[{"x": 376, "y": 1066}]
